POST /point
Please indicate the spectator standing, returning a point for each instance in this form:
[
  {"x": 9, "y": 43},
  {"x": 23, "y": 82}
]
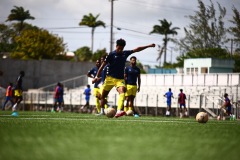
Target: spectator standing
[
  {"x": 182, "y": 103},
  {"x": 169, "y": 96},
  {"x": 9, "y": 95},
  {"x": 58, "y": 97},
  {"x": 87, "y": 93}
]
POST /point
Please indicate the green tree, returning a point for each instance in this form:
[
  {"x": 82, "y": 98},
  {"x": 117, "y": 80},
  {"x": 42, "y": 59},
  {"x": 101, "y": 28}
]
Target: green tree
[
  {"x": 38, "y": 44},
  {"x": 92, "y": 22},
  {"x": 165, "y": 30},
  {"x": 6, "y": 38},
  {"x": 206, "y": 29},
  {"x": 235, "y": 30},
  {"x": 19, "y": 14},
  {"x": 83, "y": 54},
  {"x": 98, "y": 54}
]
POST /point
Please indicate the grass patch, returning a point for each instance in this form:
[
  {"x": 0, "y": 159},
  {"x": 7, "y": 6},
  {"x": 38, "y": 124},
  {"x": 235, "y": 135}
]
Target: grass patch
[{"x": 61, "y": 136}]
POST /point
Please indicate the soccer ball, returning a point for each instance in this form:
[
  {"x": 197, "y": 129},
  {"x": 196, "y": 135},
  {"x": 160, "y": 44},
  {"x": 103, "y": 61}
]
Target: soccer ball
[
  {"x": 110, "y": 112},
  {"x": 202, "y": 117},
  {"x": 129, "y": 113}
]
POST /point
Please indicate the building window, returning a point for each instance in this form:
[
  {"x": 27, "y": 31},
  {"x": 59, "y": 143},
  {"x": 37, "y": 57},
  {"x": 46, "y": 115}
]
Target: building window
[
  {"x": 196, "y": 70},
  {"x": 188, "y": 71},
  {"x": 204, "y": 70}
]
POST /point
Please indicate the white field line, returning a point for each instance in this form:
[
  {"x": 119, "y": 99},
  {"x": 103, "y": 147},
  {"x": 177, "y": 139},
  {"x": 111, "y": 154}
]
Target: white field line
[
  {"x": 71, "y": 118},
  {"x": 78, "y": 118}
]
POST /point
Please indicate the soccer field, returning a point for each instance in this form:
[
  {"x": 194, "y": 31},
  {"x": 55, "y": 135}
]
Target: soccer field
[{"x": 70, "y": 136}]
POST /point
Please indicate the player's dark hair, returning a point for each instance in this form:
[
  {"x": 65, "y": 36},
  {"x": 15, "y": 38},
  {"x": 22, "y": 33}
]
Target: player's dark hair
[
  {"x": 22, "y": 73},
  {"x": 133, "y": 57},
  {"x": 121, "y": 42}
]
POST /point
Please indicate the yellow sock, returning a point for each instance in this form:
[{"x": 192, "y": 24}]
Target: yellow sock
[
  {"x": 98, "y": 105},
  {"x": 105, "y": 106},
  {"x": 120, "y": 101},
  {"x": 125, "y": 108}
]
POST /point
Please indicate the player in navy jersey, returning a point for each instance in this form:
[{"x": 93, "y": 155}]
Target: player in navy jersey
[
  {"x": 18, "y": 93},
  {"x": 115, "y": 78},
  {"x": 96, "y": 91},
  {"x": 132, "y": 77}
]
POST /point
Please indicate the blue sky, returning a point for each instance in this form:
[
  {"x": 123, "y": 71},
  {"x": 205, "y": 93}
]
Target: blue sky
[{"x": 136, "y": 19}]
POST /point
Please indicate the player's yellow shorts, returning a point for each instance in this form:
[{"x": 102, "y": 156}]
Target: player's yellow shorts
[
  {"x": 18, "y": 93},
  {"x": 131, "y": 90},
  {"x": 111, "y": 82},
  {"x": 96, "y": 91}
]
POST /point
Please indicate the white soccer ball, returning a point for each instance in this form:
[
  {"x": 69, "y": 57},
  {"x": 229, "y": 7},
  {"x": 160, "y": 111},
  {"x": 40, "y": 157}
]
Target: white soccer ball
[
  {"x": 202, "y": 117},
  {"x": 129, "y": 113},
  {"x": 110, "y": 112}
]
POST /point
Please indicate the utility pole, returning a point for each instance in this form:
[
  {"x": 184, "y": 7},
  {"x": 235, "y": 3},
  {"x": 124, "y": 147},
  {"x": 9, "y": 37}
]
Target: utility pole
[{"x": 111, "y": 28}]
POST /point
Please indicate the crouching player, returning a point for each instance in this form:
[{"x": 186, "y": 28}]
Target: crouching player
[{"x": 227, "y": 106}]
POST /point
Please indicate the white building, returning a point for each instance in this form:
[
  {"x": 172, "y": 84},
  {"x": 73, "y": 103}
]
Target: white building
[{"x": 208, "y": 65}]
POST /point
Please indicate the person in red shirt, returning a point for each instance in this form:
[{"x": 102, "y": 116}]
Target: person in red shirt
[
  {"x": 182, "y": 102},
  {"x": 9, "y": 95}
]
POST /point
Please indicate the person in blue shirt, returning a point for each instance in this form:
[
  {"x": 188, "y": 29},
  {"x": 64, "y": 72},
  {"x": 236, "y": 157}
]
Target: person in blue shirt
[
  {"x": 87, "y": 93},
  {"x": 115, "y": 78},
  {"x": 169, "y": 96},
  {"x": 133, "y": 84}
]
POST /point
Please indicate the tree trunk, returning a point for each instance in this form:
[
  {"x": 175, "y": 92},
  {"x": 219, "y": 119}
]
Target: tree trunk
[{"x": 92, "y": 39}]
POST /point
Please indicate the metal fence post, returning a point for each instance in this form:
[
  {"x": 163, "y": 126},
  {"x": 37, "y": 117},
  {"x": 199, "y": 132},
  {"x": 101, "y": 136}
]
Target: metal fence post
[
  {"x": 156, "y": 106},
  {"x": 146, "y": 110}
]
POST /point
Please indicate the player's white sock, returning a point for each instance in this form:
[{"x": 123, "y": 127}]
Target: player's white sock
[
  {"x": 167, "y": 113},
  {"x": 14, "y": 107},
  {"x": 181, "y": 115}
]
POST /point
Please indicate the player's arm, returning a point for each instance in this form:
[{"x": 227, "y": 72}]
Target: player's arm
[
  {"x": 97, "y": 77},
  {"x": 138, "y": 49},
  {"x": 90, "y": 75},
  {"x": 125, "y": 75},
  {"x": 139, "y": 82}
]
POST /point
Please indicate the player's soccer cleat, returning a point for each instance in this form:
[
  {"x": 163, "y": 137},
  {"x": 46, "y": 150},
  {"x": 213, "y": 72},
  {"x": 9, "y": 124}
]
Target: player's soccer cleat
[
  {"x": 120, "y": 114},
  {"x": 181, "y": 115},
  {"x": 136, "y": 116},
  {"x": 100, "y": 114},
  {"x": 15, "y": 114},
  {"x": 53, "y": 111}
]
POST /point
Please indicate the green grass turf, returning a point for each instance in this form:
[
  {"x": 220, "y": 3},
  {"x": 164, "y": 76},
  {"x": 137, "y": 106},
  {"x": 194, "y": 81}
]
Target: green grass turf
[{"x": 70, "y": 136}]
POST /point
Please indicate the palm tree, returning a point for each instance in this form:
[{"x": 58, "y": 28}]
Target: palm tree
[
  {"x": 19, "y": 14},
  {"x": 164, "y": 29},
  {"x": 91, "y": 21}
]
